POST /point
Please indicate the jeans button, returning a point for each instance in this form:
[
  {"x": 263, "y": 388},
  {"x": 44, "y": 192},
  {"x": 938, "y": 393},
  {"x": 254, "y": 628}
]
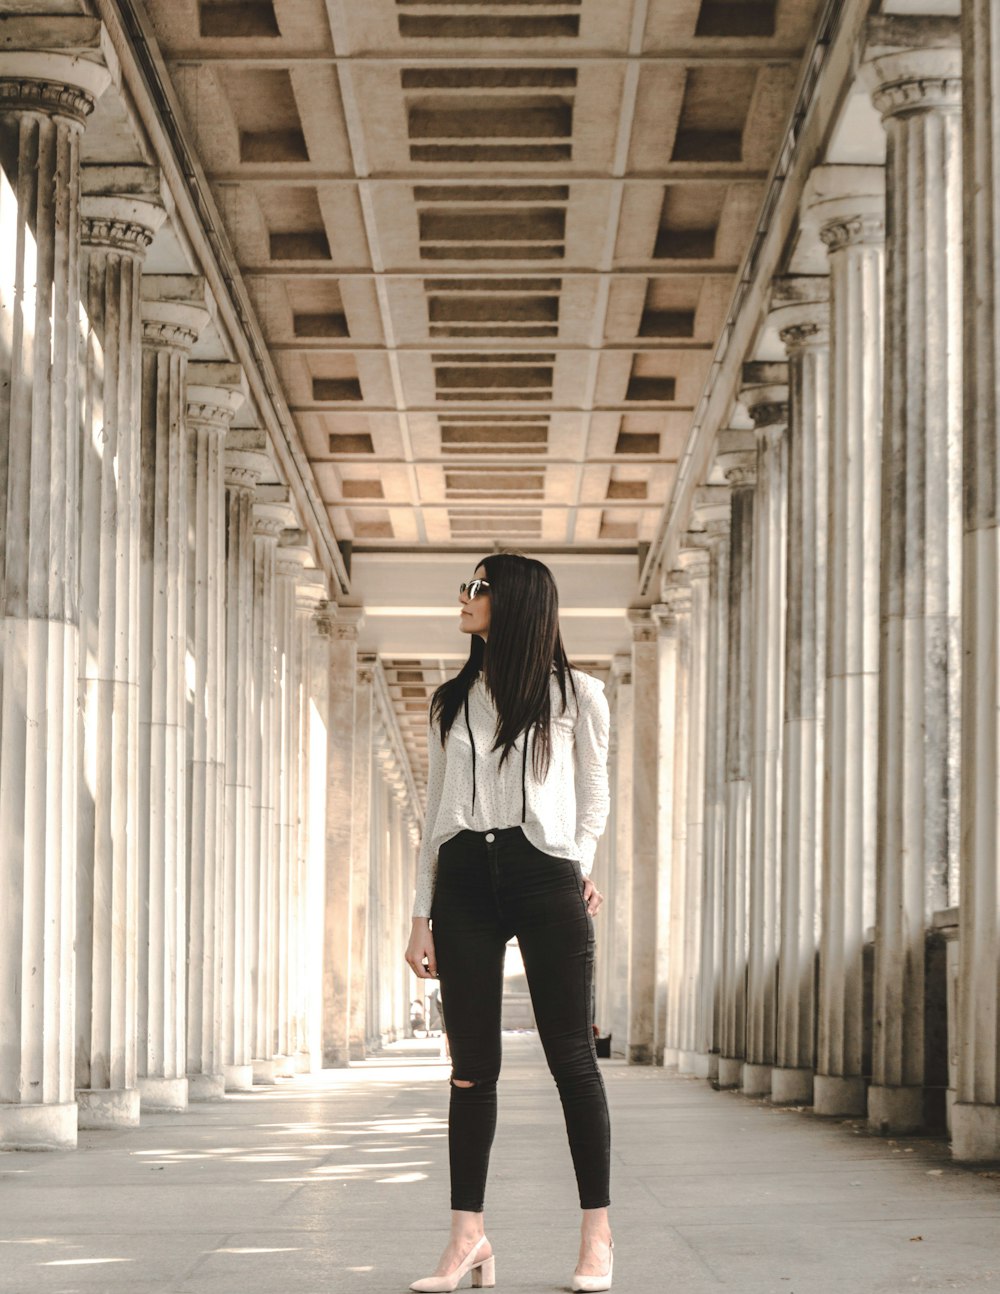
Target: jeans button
[{"x": 490, "y": 837}]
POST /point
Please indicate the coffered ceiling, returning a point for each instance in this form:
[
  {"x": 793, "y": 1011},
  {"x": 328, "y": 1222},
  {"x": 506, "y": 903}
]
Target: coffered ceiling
[{"x": 491, "y": 247}]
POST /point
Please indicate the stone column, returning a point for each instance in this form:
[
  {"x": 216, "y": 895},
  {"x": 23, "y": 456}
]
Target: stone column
[
  {"x": 853, "y": 230},
  {"x": 361, "y": 850},
  {"x": 289, "y": 564},
  {"x": 918, "y": 93},
  {"x": 976, "y": 1113},
  {"x": 621, "y": 789},
  {"x": 765, "y": 395},
  {"x": 269, "y": 519},
  {"x": 712, "y": 510},
  {"x": 642, "y": 962},
  {"x": 314, "y": 900},
  {"x": 246, "y": 460},
  {"x": 676, "y": 593},
  {"x": 803, "y": 322},
  {"x": 693, "y": 561},
  {"x": 173, "y": 313},
  {"x": 44, "y": 101},
  {"x": 214, "y": 393},
  {"x": 667, "y": 690},
  {"x": 117, "y": 227},
  {"x": 342, "y": 625},
  {"x": 740, "y": 470},
  {"x": 310, "y": 782}
]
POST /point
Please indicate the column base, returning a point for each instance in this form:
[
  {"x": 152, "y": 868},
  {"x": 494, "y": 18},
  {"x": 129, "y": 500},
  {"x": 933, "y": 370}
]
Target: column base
[
  {"x": 835, "y": 1095},
  {"x": 163, "y": 1093},
  {"x": 640, "y": 1053},
  {"x": 756, "y": 1079},
  {"x": 895, "y": 1109},
  {"x": 263, "y": 1071},
  {"x": 206, "y": 1087},
  {"x": 729, "y": 1072},
  {"x": 39, "y": 1127},
  {"x": 238, "y": 1078},
  {"x": 791, "y": 1086},
  {"x": 303, "y": 1062},
  {"x": 116, "y": 1107},
  {"x": 692, "y": 1062},
  {"x": 712, "y": 1065},
  {"x": 284, "y": 1067},
  {"x": 975, "y": 1131},
  {"x": 670, "y": 1057}
]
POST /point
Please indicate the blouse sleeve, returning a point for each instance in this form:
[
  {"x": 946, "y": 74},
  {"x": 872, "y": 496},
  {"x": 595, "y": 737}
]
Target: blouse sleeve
[
  {"x": 426, "y": 863},
  {"x": 593, "y": 798}
]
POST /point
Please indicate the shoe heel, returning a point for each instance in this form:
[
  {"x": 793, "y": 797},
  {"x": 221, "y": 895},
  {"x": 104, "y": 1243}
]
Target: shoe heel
[{"x": 485, "y": 1275}]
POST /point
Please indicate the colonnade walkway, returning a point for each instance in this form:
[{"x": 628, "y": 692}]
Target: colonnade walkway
[{"x": 338, "y": 1181}]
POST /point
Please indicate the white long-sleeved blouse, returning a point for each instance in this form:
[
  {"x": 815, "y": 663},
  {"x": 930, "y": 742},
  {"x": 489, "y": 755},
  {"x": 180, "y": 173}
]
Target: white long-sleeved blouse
[{"x": 565, "y": 814}]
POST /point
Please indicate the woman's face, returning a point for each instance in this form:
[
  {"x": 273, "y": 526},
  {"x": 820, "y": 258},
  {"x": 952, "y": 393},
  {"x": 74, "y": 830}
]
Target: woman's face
[{"x": 475, "y": 615}]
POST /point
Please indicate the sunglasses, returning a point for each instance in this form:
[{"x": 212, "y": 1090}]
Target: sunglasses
[{"x": 473, "y": 587}]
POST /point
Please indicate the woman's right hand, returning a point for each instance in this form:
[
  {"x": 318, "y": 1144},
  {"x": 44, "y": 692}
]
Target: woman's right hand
[{"x": 421, "y": 945}]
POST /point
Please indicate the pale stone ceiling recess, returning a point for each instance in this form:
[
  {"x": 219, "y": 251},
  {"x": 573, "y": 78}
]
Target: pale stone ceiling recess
[{"x": 491, "y": 248}]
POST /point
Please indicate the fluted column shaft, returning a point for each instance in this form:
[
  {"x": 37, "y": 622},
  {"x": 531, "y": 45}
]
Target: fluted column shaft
[
  {"x": 667, "y": 693},
  {"x": 693, "y": 560},
  {"x": 361, "y": 853},
  {"x": 855, "y": 239},
  {"x": 621, "y": 790},
  {"x": 170, "y": 328},
  {"x": 342, "y": 639},
  {"x": 741, "y": 476},
  {"x": 44, "y": 103},
  {"x": 214, "y": 393},
  {"x": 677, "y": 598},
  {"x": 645, "y": 852},
  {"x": 244, "y": 468},
  {"x": 805, "y": 334},
  {"x": 263, "y": 859},
  {"x": 767, "y": 400},
  {"x": 708, "y": 1017},
  {"x": 288, "y": 568},
  {"x": 976, "y": 1113},
  {"x": 115, "y": 234},
  {"x": 919, "y": 96}
]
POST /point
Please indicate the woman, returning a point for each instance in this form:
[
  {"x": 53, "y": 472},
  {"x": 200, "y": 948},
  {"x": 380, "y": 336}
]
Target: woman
[{"x": 507, "y": 849}]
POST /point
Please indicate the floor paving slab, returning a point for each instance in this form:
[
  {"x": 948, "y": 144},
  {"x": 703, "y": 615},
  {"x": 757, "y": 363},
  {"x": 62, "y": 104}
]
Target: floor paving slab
[{"x": 337, "y": 1182}]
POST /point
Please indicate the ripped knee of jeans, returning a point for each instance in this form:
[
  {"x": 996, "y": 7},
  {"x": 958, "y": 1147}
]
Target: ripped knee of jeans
[{"x": 464, "y": 1084}]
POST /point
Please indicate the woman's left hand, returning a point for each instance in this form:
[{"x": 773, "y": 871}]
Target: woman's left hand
[{"x": 592, "y": 895}]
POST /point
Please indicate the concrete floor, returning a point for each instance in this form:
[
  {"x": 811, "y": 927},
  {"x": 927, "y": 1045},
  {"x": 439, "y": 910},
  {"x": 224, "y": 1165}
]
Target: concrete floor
[{"x": 340, "y": 1182}]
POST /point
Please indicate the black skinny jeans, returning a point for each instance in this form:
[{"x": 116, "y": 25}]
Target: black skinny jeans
[{"x": 485, "y": 892}]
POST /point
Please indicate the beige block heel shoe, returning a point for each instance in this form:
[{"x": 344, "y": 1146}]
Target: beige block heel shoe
[
  {"x": 484, "y": 1273},
  {"x": 596, "y": 1282}
]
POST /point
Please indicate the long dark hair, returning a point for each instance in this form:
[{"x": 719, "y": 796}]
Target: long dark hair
[{"x": 517, "y": 660}]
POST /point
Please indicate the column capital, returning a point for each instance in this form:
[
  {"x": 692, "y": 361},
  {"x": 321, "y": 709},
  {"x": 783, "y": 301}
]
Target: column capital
[
  {"x": 56, "y": 65},
  {"x": 347, "y": 623},
  {"x": 800, "y": 310},
  {"x": 247, "y": 458},
  {"x": 676, "y": 591},
  {"x": 693, "y": 557},
  {"x": 846, "y": 205},
  {"x": 764, "y": 394},
  {"x": 913, "y": 63},
  {"x": 641, "y": 623},
  {"x": 366, "y": 666},
  {"x": 712, "y": 503},
  {"x": 120, "y": 207},
  {"x": 621, "y": 667},
  {"x": 214, "y": 393},
  {"x": 271, "y": 518},
  {"x": 175, "y": 308},
  {"x": 740, "y": 470},
  {"x": 291, "y": 561}
]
